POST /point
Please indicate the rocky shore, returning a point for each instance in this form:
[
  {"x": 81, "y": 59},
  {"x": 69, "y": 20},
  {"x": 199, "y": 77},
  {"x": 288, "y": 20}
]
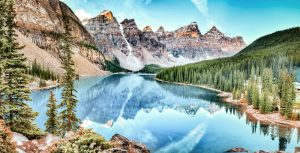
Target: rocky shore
[{"x": 118, "y": 143}]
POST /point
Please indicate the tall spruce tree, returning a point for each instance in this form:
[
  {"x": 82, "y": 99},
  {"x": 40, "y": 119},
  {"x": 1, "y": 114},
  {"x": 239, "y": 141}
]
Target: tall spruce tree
[
  {"x": 287, "y": 93},
  {"x": 52, "y": 122},
  {"x": 67, "y": 117},
  {"x": 2, "y": 42},
  {"x": 18, "y": 115}
]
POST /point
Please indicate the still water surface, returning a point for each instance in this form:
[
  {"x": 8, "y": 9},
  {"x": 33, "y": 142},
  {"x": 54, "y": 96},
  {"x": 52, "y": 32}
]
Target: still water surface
[{"x": 167, "y": 118}]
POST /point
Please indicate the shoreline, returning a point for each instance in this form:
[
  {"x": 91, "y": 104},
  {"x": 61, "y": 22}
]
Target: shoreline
[
  {"x": 274, "y": 118},
  {"x": 55, "y": 85}
]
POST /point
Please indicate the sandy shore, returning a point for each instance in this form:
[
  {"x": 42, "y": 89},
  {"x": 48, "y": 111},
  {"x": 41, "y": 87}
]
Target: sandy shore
[{"x": 270, "y": 118}]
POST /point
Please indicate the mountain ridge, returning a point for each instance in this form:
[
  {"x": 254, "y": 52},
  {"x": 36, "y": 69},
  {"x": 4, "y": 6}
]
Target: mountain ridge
[{"x": 126, "y": 41}]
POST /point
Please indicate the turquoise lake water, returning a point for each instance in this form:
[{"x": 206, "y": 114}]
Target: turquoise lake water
[{"x": 167, "y": 118}]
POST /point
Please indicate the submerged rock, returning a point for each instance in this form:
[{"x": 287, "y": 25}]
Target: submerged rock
[
  {"x": 239, "y": 149},
  {"x": 262, "y": 151},
  {"x": 123, "y": 143}
]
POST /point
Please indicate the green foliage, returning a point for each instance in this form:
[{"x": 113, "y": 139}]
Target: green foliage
[
  {"x": 287, "y": 93},
  {"x": 152, "y": 68},
  {"x": 17, "y": 114},
  {"x": 41, "y": 72},
  {"x": 67, "y": 117},
  {"x": 114, "y": 66},
  {"x": 265, "y": 103},
  {"x": 85, "y": 141},
  {"x": 6, "y": 144},
  {"x": 284, "y": 37},
  {"x": 88, "y": 45},
  {"x": 52, "y": 122}
]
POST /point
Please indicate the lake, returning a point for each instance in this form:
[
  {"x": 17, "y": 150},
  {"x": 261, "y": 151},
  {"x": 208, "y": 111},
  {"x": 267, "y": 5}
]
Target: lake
[{"x": 168, "y": 118}]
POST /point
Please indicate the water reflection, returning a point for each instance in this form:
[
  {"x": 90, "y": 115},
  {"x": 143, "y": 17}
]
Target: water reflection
[{"x": 167, "y": 117}]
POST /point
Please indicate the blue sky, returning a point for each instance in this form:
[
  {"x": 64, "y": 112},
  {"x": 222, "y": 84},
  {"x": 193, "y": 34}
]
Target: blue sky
[{"x": 247, "y": 18}]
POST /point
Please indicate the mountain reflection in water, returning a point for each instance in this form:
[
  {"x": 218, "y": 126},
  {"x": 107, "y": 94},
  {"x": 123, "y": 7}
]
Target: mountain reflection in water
[{"x": 167, "y": 117}]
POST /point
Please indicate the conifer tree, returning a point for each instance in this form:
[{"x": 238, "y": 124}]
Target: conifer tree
[
  {"x": 267, "y": 79},
  {"x": 250, "y": 88},
  {"x": 255, "y": 98},
  {"x": 287, "y": 93},
  {"x": 18, "y": 115},
  {"x": 67, "y": 117},
  {"x": 52, "y": 122},
  {"x": 2, "y": 42}
]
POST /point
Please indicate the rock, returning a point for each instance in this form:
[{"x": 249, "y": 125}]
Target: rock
[
  {"x": 107, "y": 33},
  {"x": 261, "y": 151},
  {"x": 297, "y": 149},
  {"x": 119, "y": 141},
  {"x": 115, "y": 150},
  {"x": 237, "y": 150},
  {"x": 39, "y": 145},
  {"x": 42, "y": 23},
  {"x": 19, "y": 138}
]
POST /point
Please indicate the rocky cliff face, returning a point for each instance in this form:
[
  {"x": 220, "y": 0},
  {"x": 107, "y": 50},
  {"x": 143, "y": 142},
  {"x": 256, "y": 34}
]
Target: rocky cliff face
[
  {"x": 131, "y": 46},
  {"x": 107, "y": 34},
  {"x": 135, "y": 48},
  {"x": 43, "y": 21}
]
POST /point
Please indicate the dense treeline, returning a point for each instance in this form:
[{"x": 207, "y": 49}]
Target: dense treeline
[
  {"x": 40, "y": 71},
  {"x": 256, "y": 72},
  {"x": 114, "y": 66},
  {"x": 152, "y": 68}
]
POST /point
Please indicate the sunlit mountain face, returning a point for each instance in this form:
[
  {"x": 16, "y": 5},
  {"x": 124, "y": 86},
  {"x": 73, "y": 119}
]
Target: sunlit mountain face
[{"x": 167, "y": 117}]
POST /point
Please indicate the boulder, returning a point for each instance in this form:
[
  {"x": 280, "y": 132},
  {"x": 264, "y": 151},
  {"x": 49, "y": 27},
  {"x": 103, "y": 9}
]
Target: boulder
[
  {"x": 119, "y": 141},
  {"x": 238, "y": 149}
]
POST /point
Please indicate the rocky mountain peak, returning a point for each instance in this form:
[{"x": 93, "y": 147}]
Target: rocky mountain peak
[
  {"x": 106, "y": 14},
  {"x": 129, "y": 23},
  {"x": 214, "y": 33},
  {"x": 147, "y": 29},
  {"x": 161, "y": 29},
  {"x": 190, "y": 30},
  {"x": 160, "y": 33}
]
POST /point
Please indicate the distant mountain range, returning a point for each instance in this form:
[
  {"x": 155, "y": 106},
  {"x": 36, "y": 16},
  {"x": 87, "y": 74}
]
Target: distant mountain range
[
  {"x": 265, "y": 50},
  {"x": 103, "y": 38},
  {"x": 135, "y": 48}
]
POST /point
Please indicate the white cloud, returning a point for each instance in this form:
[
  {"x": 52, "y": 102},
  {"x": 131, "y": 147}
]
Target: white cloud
[
  {"x": 82, "y": 14},
  {"x": 201, "y": 6}
]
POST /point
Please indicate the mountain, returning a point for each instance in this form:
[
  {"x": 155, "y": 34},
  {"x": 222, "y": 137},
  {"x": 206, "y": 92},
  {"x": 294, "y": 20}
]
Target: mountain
[
  {"x": 135, "y": 48},
  {"x": 123, "y": 41},
  {"x": 281, "y": 41},
  {"x": 189, "y": 43},
  {"x": 40, "y": 26},
  {"x": 277, "y": 50}
]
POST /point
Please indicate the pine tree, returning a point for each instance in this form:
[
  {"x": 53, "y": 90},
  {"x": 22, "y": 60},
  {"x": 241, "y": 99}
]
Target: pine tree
[
  {"x": 267, "y": 79},
  {"x": 287, "y": 93},
  {"x": 255, "y": 97},
  {"x": 52, "y": 122},
  {"x": 250, "y": 88},
  {"x": 19, "y": 116},
  {"x": 2, "y": 42},
  {"x": 67, "y": 117}
]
